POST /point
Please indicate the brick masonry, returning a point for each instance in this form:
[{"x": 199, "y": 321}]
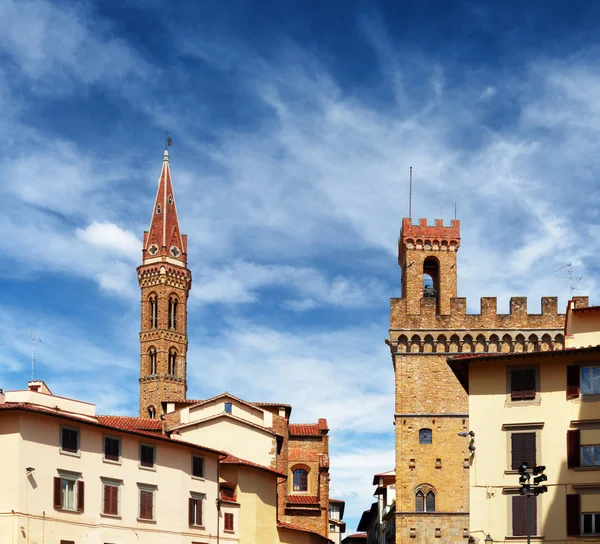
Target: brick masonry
[
  {"x": 423, "y": 333},
  {"x": 163, "y": 280}
]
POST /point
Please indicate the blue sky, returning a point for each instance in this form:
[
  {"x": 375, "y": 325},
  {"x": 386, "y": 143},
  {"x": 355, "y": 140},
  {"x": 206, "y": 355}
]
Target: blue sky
[{"x": 294, "y": 125}]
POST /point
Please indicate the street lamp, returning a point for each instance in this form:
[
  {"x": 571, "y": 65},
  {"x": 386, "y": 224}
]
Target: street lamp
[{"x": 488, "y": 539}]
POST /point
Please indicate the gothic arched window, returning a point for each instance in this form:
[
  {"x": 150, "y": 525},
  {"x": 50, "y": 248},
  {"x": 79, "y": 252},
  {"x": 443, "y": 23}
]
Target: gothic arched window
[
  {"x": 430, "y": 502},
  {"x": 173, "y": 302},
  {"x": 152, "y": 356},
  {"x": 425, "y": 436},
  {"x": 300, "y": 480},
  {"x": 153, "y": 310},
  {"x": 425, "y": 499},
  {"x": 151, "y": 412},
  {"x": 172, "y": 361}
]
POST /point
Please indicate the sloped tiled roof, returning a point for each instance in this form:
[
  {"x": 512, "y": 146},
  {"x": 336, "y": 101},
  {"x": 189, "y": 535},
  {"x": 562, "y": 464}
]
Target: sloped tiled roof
[
  {"x": 309, "y": 429},
  {"x": 131, "y": 423},
  {"x": 233, "y": 460},
  {"x": 291, "y": 527},
  {"x": 303, "y": 499}
]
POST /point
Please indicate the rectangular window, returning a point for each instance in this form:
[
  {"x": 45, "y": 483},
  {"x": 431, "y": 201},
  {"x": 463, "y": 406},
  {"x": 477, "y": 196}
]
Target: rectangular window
[
  {"x": 590, "y": 523},
  {"x": 69, "y": 439},
  {"x": 147, "y": 455},
  {"x": 112, "y": 448},
  {"x": 590, "y": 456},
  {"x": 590, "y": 380},
  {"x": 195, "y": 511},
  {"x": 522, "y": 383},
  {"x": 523, "y": 448},
  {"x": 67, "y": 542},
  {"x": 197, "y": 466},
  {"x": 228, "y": 518},
  {"x": 332, "y": 527},
  {"x": 68, "y": 494},
  {"x": 228, "y": 407},
  {"x": 519, "y": 515},
  {"x": 146, "y": 507},
  {"x": 110, "y": 505}
]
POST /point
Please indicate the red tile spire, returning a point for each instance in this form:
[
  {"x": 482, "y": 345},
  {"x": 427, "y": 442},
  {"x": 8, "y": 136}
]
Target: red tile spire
[{"x": 163, "y": 241}]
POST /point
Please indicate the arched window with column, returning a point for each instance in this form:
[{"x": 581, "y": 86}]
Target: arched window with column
[
  {"x": 153, "y": 314},
  {"x": 152, "y": 359},
  {"x": 173, "y": 303},
  {"x": 151, "y": 412},
  {"x": 171, "y": 370},
  {"x": 424, "y": 498}
]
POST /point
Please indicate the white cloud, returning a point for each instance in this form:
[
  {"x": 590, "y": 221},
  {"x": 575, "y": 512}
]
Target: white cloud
[{"x": 112, "y": 239}]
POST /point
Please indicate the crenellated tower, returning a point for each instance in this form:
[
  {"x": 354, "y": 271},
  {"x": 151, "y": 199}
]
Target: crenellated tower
[
  {"x": 165, "y": 283},
  {"x": 427, "y": 325}
]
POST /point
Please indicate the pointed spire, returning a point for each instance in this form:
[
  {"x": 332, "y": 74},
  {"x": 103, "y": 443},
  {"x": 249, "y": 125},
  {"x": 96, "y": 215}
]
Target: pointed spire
[{"x": 163, "y": 241}]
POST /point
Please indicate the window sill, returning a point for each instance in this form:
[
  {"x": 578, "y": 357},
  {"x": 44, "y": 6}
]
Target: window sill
[
  {"x": 143, "y": 520},
  {"x": 69, "y": 510},
  {"x": 593, "y": 397},
  {"x": 200, "y": 527},
  {"x": 586, "y": 469},
  {"x": 515, "y": 403},
  {"x": 112, "y": 461},
  {"x": 113, "y": 516},
  {"x": 70, "y": 453},
  {"x": 151, "y": 469},
  {"x": 230, "y": 531},
  {"x": 524, "y": 537},
  {"x": 200, "y": 478}
]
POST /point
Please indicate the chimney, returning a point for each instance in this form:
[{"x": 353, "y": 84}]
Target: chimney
[{"x": 164, "y": 424}]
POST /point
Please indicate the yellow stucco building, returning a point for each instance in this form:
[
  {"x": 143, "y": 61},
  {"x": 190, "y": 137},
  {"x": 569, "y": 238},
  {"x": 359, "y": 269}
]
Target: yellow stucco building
[{"x": 542, "y": 407}]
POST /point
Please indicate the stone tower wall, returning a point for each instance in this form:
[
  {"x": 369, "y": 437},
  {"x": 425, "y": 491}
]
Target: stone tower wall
[{"x": 422, "y": 335}]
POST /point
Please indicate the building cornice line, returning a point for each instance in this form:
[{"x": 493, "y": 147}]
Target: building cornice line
[{"x": 432, "y": 415}]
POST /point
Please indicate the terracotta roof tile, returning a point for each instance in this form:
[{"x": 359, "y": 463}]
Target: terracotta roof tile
[
  {"x": 291, "y": 527},
  {"x": 303, "y": 499},
  {"x": 233, "y": 460},
  {"x": 131, "y": 423},
  {"x": 305, "y": 429}
]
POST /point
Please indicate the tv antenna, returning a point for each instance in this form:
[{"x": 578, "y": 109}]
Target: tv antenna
[
  {"x": 33, "y": 340},
  {"x": 573, "y": 280},
  {"x": 410, "y": 195}
]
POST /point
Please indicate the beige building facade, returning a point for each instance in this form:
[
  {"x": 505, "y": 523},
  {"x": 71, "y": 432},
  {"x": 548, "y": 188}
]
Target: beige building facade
[
  {"x": 542, "y": 408},
  {"x": 429, "y": 323},
  {"x": 70, "y": 476}
]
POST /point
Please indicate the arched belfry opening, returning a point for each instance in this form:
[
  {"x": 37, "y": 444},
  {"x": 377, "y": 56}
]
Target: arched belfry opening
[{"x": 431, "y": 280}]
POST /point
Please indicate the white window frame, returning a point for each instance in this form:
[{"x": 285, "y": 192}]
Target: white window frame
[
  {"x": 74, "y": 478},
  {"x": 199, "y": 497},
  {"x": 203, "y": 467},
  {"x": 60, "y": 439},
  {"x": 144, "y": 467},
  {"x": 581, "y": 369},
  {"x": 114, "y": 483},
  {"x": 150, "y": 489},
  {"x": 597, "y": 529},
  {"x": 112, "y": 437}
]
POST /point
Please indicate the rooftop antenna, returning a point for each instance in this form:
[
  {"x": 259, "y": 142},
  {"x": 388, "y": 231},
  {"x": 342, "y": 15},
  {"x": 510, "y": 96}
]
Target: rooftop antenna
[
  {"x": 33, "y": 339},
  {"x": 442, "y": 213},
  {"x": 454, "y": 210},
  {"x": 410, "y": 196},
  {"x": 573, "y": 280}
]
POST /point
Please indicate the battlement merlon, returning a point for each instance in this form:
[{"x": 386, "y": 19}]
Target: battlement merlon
[
  {"x": 488, "y": 318},
  {"x": 424, "y": 236}
]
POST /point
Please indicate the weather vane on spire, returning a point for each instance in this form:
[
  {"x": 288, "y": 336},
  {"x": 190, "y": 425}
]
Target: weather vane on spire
[{"x": 169, "y": 141}]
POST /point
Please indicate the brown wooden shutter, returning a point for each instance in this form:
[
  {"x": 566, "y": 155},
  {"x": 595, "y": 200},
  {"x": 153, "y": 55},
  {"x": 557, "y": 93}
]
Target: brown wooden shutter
[
  {"x": 58, "y": 501},
  {"x": 573, "y": 384},
  {"x": 80, "y": 496},
  {"x": 519, "y": 515},
  {"x": 528, "y": 383},
  {"x": 191, "y": 512},
  {"x": 516, "y": 384},
  {"x": 106, "y": 499},
  {"x": 517, "y": 442},
  {"x": 530, "y": 448},
  {"x": 229, "y": 522},
  {"x": 573, "y": 449},
  {"x": 573, "y": 515},
  {"x": 150, "y": 505},
  {"x": 199, "y": 512}
]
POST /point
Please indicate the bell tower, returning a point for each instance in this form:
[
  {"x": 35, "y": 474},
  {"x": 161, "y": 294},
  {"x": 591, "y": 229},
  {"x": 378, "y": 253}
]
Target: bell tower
[
  {"x": 427, "y": 257},
  {"x": 165, "y": 283}
]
